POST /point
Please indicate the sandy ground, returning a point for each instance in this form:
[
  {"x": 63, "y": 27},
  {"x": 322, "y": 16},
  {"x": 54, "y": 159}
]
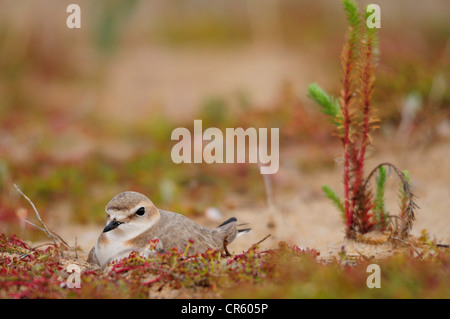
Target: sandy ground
[{"x": 304, "y": 217}]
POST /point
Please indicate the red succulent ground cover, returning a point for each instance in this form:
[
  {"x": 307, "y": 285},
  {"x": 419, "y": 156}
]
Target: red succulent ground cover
[
  {"x": 284, "y": 272},
  {"x": 42, "y": 273}
]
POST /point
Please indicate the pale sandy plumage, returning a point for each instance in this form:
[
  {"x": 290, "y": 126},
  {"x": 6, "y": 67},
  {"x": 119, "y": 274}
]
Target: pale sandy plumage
[{"x": 133, "y": 221}]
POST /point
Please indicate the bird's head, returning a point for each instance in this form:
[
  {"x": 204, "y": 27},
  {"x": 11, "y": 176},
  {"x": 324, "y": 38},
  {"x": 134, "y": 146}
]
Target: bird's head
[{"x": 129, "y": 212}]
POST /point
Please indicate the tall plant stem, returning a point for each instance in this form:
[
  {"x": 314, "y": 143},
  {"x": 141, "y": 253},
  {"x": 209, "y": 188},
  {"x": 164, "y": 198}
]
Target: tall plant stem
[
  {"x": 347, "y": 58},
  {"x": 365, "y": 93}
]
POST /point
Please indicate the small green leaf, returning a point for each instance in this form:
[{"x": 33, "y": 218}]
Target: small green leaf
[
  {"x": 380, "y": 209},
  {"x": 335, "y": 199},
  {"x": 352, "y": 13},
  {"x": 329, "y": 105}
]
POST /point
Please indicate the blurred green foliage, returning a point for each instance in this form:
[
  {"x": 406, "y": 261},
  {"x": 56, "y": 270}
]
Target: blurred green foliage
[{"x": 112, "y": 18}]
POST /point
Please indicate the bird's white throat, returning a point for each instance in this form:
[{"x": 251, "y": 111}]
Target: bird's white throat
[{"x": 130, "y": 230}]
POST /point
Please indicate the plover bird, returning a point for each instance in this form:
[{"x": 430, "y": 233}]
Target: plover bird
[{"x": 134, "y": 221}]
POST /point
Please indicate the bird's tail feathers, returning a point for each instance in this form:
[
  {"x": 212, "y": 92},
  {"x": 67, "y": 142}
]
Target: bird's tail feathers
[
  {"x": 229, "y": 228},
  {"x": 242, "y": 231},
  {"x": 229, "y": 220}
]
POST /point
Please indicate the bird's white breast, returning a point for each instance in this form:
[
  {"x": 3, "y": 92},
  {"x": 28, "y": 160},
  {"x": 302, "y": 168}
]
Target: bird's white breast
[{"x": 115, "y": 244}]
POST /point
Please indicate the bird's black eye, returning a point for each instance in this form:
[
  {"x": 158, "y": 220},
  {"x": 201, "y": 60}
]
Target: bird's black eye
[{"x": 140, "y": 211}]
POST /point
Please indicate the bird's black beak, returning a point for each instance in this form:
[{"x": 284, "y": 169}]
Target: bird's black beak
[{"x": 113, "y": 224}]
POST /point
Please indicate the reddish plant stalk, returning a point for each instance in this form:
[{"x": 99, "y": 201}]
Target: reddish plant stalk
[
  {"x": 366, "y": 92},
  {"x": 367, "y": 86},
  {"x": 346, "y": 97}
]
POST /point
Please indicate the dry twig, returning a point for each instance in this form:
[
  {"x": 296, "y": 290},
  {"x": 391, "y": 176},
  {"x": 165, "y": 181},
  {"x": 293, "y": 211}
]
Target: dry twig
[
  {"x": 409, "y": 205},
  {"x": 409, "y": 244},
  {"x": 259, "y": 242},
  {"x": 50, "y": 234}
]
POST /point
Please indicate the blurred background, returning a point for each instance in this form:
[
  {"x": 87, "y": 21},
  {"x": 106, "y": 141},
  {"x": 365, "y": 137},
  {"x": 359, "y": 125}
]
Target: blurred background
[{"x": 88, "y": 113}]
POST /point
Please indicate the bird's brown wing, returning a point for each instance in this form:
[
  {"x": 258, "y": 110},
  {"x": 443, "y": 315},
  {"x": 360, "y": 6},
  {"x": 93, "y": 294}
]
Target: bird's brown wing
[{"x": 175, "y": 231}]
